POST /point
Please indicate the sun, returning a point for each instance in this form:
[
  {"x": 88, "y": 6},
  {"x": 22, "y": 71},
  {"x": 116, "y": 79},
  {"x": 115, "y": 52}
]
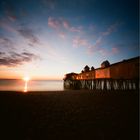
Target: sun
[{"x": 26, "y": 78}]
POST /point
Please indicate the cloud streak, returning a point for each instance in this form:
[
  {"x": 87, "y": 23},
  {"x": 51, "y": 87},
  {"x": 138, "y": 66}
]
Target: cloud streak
[
  {"x": 29, "y": 35},
  {"x": 62, "y": 35},
  {"x": 54, "y": 23},
  {"x": 112, "y": 51},
  {"x": 5, "y": 25},
  {"x": 100, "y": 40},
  {"x": 16, "y": 59},
  {"x": 6, "y": 43},
  {"x": 77, "y": 42},
  {"x": 26, "y": 32},
  {"x": 60, "y": 23},
  {"x": 111, "y": 29}
]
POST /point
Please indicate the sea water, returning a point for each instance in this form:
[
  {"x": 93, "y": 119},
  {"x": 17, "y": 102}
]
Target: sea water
[{"x": 32, "y": 85}]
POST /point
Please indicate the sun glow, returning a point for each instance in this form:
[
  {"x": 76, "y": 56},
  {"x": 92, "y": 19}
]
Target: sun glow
[{"x": 26, "y": 78}]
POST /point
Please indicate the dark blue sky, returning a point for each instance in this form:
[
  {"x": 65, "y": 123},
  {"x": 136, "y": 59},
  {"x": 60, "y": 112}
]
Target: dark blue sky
[{"x": 53, "y": 37}]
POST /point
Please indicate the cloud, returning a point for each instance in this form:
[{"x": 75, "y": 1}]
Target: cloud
[
  {"x": 97, "y": 46},
  {"x": 62, "y": 35},
  {"x": 66, "y": 24},
  {"x": 115, "y": 50},
  {"x": 111, "y": 29},
  {"x": 2, "y": 54},
  {"x": 98, "y": 42},
  {"x": 29, "y": 35},
  {"x": 6, "y": 43},
  {"x": 54, "y": 23},
  {"x": 103, "y": 51},
  {"x": 73, "y": 29},
  {"x": 12, "y": 18},
  {"x": 112, "y": 51},
  {"x": 16, "y": 59},
  {"x": 5, "y": 25},
  {"x": 25, "y": 32},
  {"x": 77, "y": 42},
  {"x": 61, "y": 23},
  {"x": 76, "y": 29}
]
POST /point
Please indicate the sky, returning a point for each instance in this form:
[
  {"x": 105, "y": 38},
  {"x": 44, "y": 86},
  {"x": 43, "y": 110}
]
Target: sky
[{"x": 45, "y": 39}]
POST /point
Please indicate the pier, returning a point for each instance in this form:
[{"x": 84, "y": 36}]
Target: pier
[{"x": 122, "y": 75}]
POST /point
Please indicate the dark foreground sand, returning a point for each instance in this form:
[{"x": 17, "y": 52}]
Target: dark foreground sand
[{"x": 71, "y": 115}]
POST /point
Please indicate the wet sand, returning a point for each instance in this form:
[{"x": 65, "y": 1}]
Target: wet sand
[{"x": 76, "y": 114}]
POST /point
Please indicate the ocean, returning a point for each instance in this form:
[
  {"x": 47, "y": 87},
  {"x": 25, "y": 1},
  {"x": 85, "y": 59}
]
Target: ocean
[{"x": 32, "y": 85}]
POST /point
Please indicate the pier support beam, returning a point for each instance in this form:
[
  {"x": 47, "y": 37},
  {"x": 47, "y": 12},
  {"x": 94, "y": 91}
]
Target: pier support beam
[{"x": 103, "y": 84}]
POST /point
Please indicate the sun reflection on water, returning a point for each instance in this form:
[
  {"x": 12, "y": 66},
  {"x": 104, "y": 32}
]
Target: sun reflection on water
[
  {"x": 26, "y": 79},
  {"x": 26, "y": 86}
]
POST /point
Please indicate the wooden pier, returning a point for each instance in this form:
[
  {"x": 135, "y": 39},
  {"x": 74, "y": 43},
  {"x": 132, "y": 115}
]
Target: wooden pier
[
  {"x": 123, "y": 75},
  {"x": 103, "y": 84}
]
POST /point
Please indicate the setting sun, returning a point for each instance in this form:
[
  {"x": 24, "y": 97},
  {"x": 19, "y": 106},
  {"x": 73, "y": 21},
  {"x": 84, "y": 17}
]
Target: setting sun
[{"x": 26, "y": 78}]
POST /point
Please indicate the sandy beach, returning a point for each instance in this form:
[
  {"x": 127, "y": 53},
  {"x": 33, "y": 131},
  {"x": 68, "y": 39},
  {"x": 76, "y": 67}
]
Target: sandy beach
[{"x": 75, "y": 114}]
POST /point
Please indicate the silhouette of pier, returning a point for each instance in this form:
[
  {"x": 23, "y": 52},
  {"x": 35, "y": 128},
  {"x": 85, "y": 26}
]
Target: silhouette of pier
[{"x": 122, "y": 75}]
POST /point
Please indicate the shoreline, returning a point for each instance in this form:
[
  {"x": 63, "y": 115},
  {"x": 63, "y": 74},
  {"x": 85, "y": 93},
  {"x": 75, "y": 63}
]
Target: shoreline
[{"x": 72, "y": 91}]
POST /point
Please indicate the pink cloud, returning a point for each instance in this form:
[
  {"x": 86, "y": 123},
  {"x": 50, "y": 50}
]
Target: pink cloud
[
  {"x": 105, "y": 52},
  {"x": 54, "y": 23},
  {"x": 100, "y": 40},
  {"x": 115, "y": 50},
  {"x": 62, "y": 35},
  {"x": 77, "y": 42},
  {"x": 96, "y": 47},
  {"x": 76, "y": 29},
  {"x": 66, "y": 24},
  {"x": 60, "y": 23}
]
